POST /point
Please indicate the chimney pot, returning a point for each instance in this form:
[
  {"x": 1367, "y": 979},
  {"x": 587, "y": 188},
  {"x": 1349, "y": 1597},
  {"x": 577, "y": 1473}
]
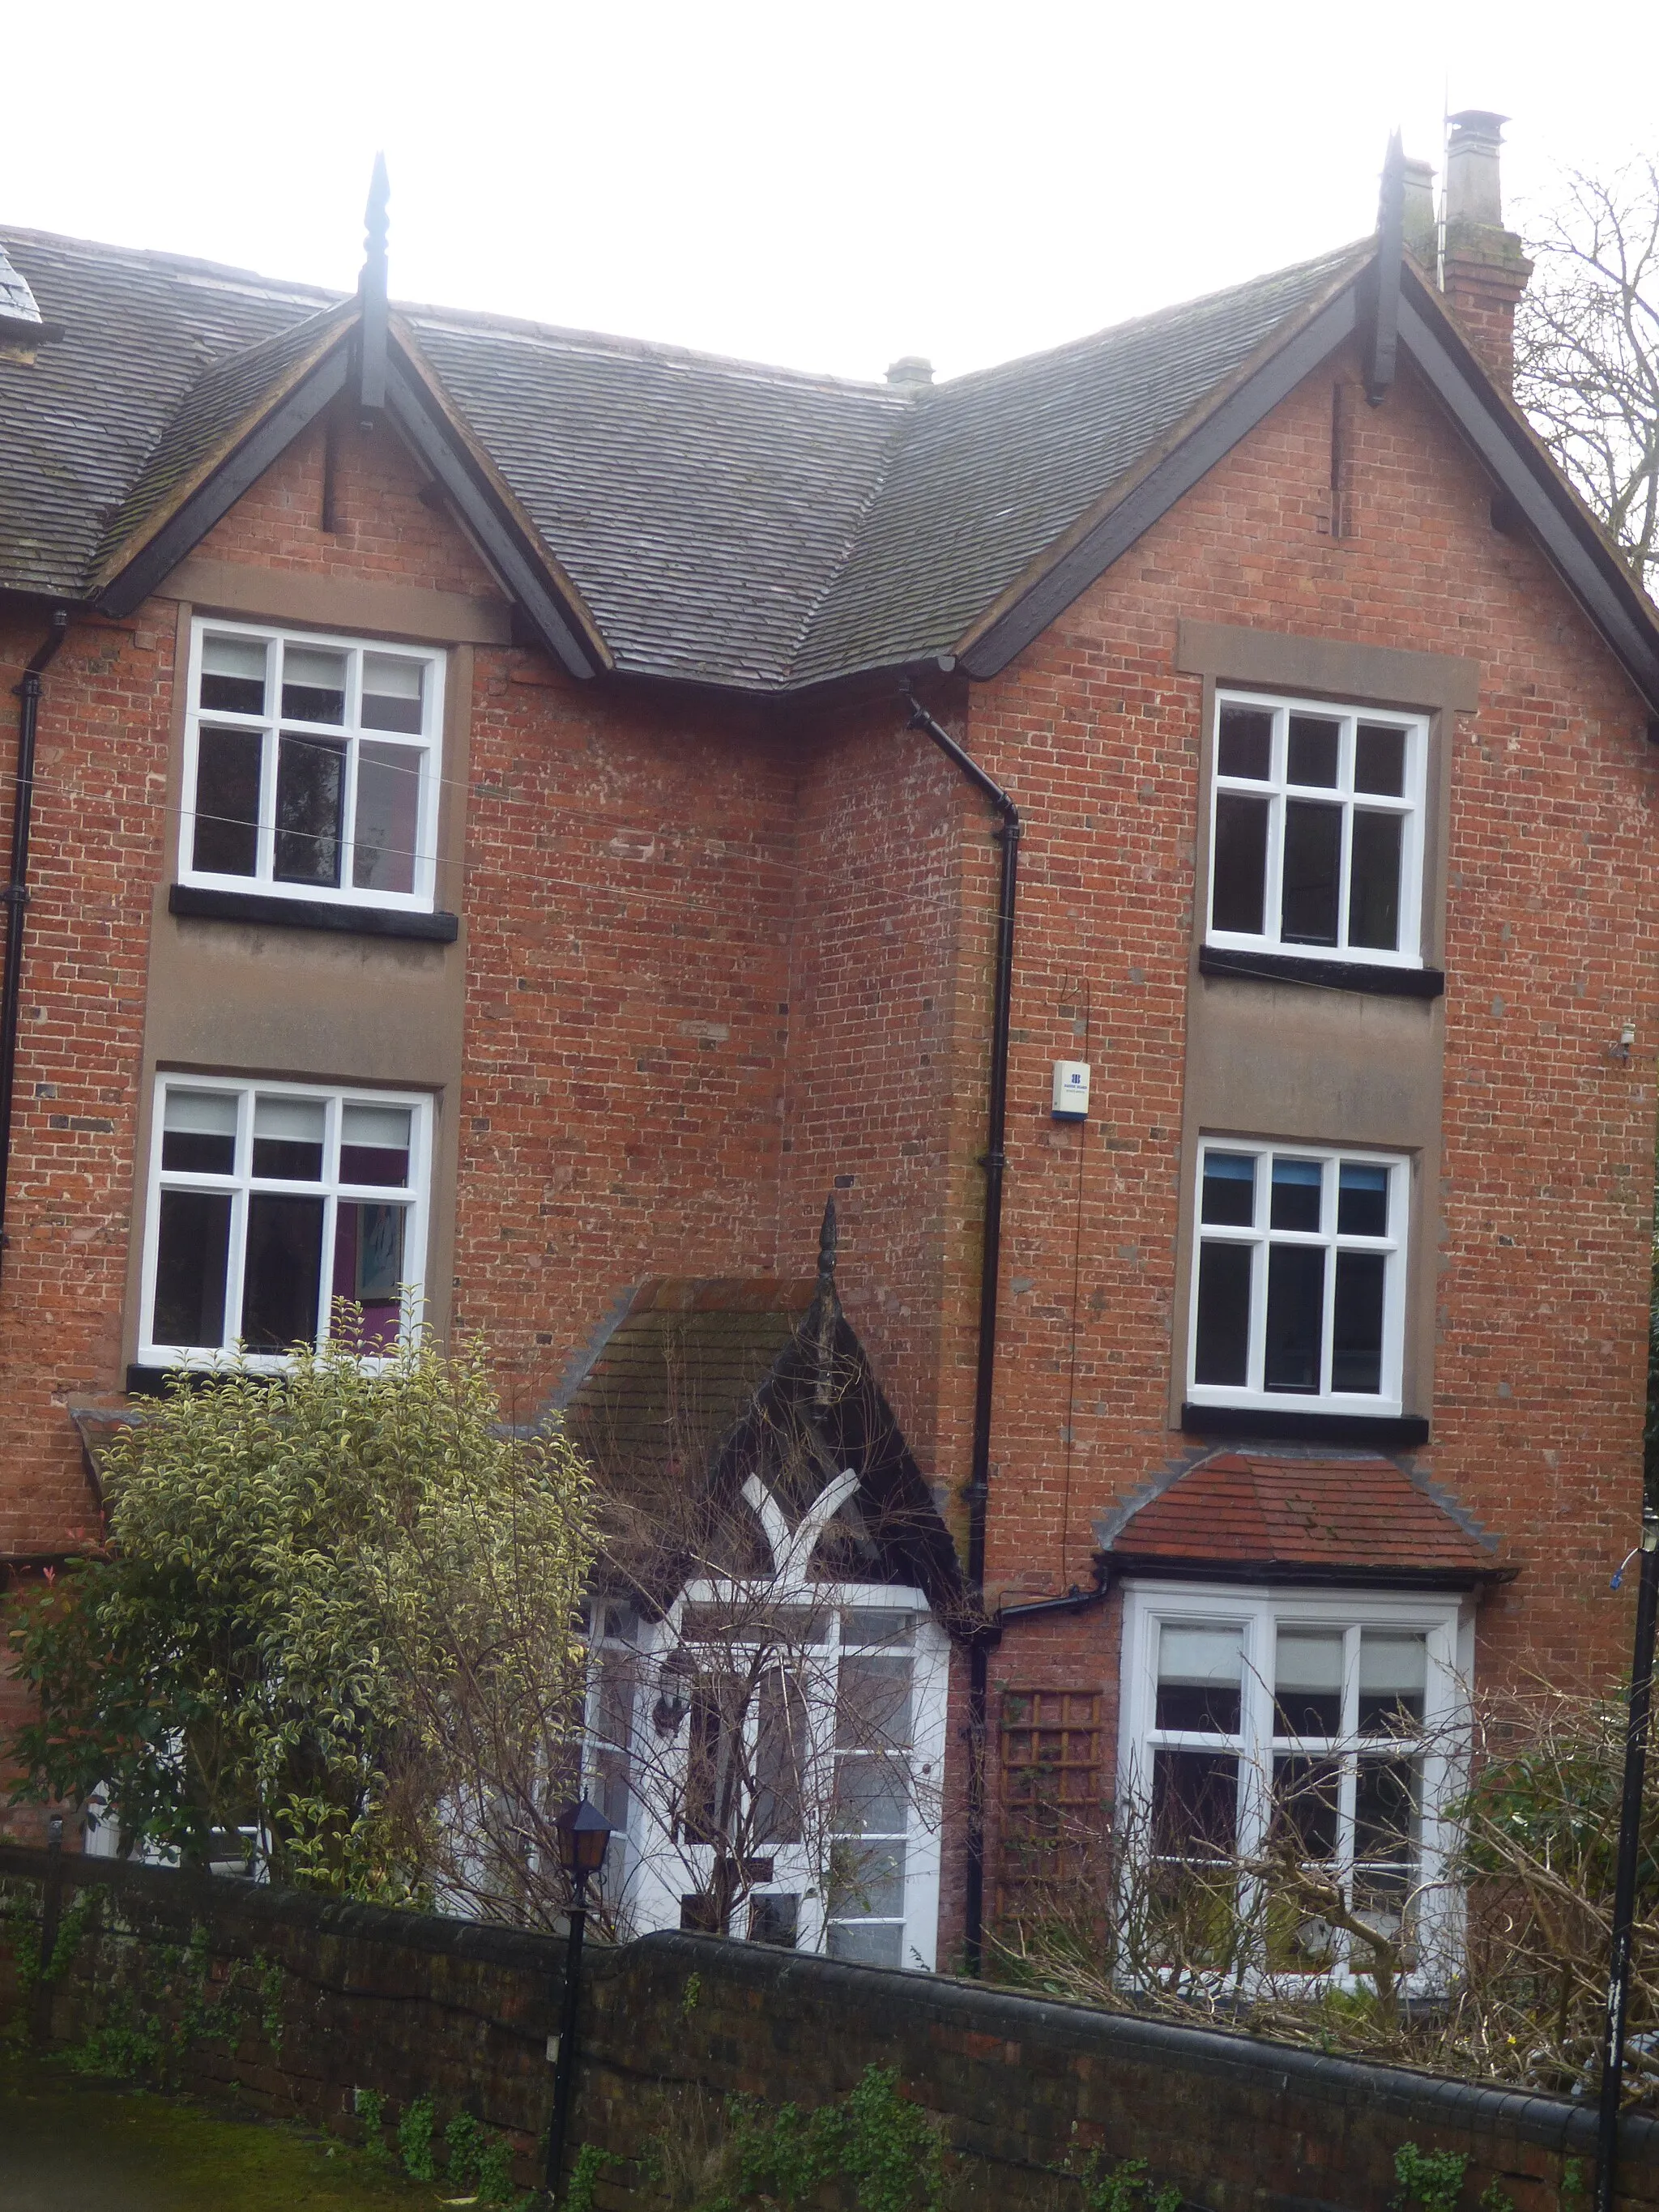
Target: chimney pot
[
  {"x": 1420, "y": 229},
  {"x": 910, "y": 371},
  {"x": 1471, "y": 152}
]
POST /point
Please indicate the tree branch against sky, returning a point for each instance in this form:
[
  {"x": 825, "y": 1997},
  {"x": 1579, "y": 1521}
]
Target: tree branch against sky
[{"x": 1586, "y": 349}]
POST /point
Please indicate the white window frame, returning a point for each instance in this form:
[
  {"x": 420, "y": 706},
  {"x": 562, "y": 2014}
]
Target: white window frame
[
  {"x": 1383, "y": 1404},
  {"x": 430, "y": 742},
  {"x": 416, "y": 1196},
  {"x": 1447, "y": 1623},
  {"x": 1410, "y": 805}
]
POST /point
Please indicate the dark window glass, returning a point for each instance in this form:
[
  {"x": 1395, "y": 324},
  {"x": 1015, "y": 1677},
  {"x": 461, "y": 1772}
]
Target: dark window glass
[
  {"x": 388, "y": 796},
  {"x": 196, "y": 1151},
  {"x": 1230, "y": 1189},
  {"x": 233, "y": 675},
  {"x": 1238, "y": 898},
  {"x": 1311, "y": 754},
  {"x": 1221, "y": 1352},
  {"x": 234, "y": 694},
  {"x": 282, "y": 1272},
  {"x": 1295, "y": 1307},
  {"x": 870, "y": 1797},
  {"x": 1194, "y": 1803},
  {"x": 1199, "y": 1673},
  {"x": 873, "y": 1711},
  {"x": 1306, "y": 1805},
  {"x": 781, "y": 1750},
  {"x": 1387, "y": 1811},
  {"x": 310, "y": 779},
  {"x": 1374, "y": 881},
  {"x": 774, "y": 1920},
  {"x": 191, "y": 1247},
  {"x": 1313, "y": 871},
  {"x": 313, "y": 684},
  {"x": 1308, "y": 1683},
  {"x": 1357, "y": 1322},
  {"x": 706, "y": 1809},
  {"x": 285, "y": 1160},
  {"x": 225, "y": 840},
  {"x": 376, "y": 1164},
  {"x": 1244, "y": 745},
  {"x": 866, "y": 1883},
  {"x": 1379, "y": 760},
  {"x": 1362, "y": 1201},
  {"x": 1299, "y": 1185},
  {"x": 368, "y": 1268}
]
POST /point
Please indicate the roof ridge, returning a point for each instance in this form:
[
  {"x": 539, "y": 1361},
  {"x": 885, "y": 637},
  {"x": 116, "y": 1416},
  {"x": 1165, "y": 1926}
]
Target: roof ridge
[{"x": 183, "y": 263}]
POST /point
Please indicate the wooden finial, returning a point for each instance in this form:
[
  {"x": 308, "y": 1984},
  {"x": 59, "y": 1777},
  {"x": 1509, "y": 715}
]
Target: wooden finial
[{"x": 372, "y": 294}]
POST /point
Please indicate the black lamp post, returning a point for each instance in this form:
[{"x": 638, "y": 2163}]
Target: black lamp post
[
  {"x": 1629, "y": 1841},
  {"x": 584, "y": 1833}
]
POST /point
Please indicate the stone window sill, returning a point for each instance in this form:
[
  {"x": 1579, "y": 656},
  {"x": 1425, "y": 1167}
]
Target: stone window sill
[{"x": 200, "y": 904}]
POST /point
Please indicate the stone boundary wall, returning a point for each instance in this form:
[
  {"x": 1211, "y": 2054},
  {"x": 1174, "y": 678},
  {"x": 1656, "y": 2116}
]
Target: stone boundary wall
[{"x": 294, "y": 2001}]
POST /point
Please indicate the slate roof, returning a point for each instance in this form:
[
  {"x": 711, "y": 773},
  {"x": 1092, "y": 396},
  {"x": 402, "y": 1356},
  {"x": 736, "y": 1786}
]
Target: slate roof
[
  {"x": 726, "y": 523},
  {"x": 1361, "y": 1519}
]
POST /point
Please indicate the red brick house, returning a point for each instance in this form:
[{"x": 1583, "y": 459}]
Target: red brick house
[{"x": 525, "y": 815}]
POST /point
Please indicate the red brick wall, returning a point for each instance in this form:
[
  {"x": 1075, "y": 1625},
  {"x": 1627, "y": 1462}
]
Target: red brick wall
[{"x": 1541, "y": 1320}]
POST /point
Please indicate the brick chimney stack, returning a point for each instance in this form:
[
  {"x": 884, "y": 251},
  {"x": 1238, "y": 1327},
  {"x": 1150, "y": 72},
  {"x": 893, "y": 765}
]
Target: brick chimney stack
[{"x": 1485, "y": 270}]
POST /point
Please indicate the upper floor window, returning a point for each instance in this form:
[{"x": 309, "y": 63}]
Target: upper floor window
[
  {"x": 1298, "y": 1290},
  {"x": 1317, "y": 833},
  {"x": 311, "y": 767},
  {"x": 268, "y": 1202}
]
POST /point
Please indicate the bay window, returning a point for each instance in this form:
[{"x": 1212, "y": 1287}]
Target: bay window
[
  {"x": 1298, "y": 1278},
  {"x": 1316, "y": 830},
  {"x": 269, "y": 1202},
  {"x": 1318, "y": 1728},
  {"x": 311, "y": 767}
]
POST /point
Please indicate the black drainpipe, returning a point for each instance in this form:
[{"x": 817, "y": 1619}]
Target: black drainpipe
[
  {"x": 15, "y": 894},
  {"x": 995, "y": 1163}
]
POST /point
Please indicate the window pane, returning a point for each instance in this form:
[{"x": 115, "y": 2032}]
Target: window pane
[
  {"x": 1237, "y": 899},
  {"x": 1313, "y": 871},
  {"x": 282, "y": 1272},
  {"x": 871, "y": 1798},
  {"x": 1221, "y": 1342},
  {"x": 780, "y": 1756},
  {"x": 310, "y": 781},
  {"x": 1312, "y": 751},
  {"x": 233, "y": 675},
  {"x": 1295, "y": 1309},
  {"x": 705, "y": 1766},
  {"x": 368, "y": 1268},
  {"x": 288, "y": 1138},
  {"x": 1298, "y": 1187},
  {"x": 866, "y": 1884},
  {"x": 773, "y": 1919},
  {"x": 1393, "y": 1673},
  {"x": 1379, "y": 760},
  {"x": 1306, "y": 1796},
  {"x": 199, "y": 1134},
  {"x": 313, "y": 684},
  {"x": 1194, "y": 1803},
  {"x": 1374, "y": 882},
  {"x": 865, "y": 1943},
  {"x": 1308, "y": 1683},
  {"x": 375, "y": 1146},
  {"x": 873, "y": 1711},
  {"x": 193, "y": 1244},
  {"x": 1362, "y": 1201},
  {"x": 1200, "y": 1674},
  {"x": 1387, "y": 1812},
  {"x": 1244, "y": 744},
  {"x": 872, "y": 1625},
  {"x": 1357, "y": 1322},
  {"x": 225, "y": 840},
  {"x": 392, "y": 692},
  {"x": 1229, "y": 1194},
  {"x": 388, "y": 810}
]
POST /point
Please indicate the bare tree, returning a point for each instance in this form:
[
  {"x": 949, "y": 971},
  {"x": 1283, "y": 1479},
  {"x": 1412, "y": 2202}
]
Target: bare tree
[{"x": 1587, "y": 350}]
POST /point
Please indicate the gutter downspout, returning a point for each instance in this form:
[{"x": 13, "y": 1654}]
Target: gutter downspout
[
  {"x": 995, "y": 1163},
  {"x": 16, "y": 895}
]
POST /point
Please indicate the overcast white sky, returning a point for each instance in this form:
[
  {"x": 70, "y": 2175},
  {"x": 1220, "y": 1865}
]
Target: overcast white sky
[{"x": 825, "y": 186}]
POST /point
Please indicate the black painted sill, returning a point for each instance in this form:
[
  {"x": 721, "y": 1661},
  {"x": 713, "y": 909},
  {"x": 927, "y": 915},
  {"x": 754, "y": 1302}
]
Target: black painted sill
[
  {"x": 1291, "y": 1427},
  {"x": 1327, "y": 974},
  {"x": 201, "y": 904}
]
